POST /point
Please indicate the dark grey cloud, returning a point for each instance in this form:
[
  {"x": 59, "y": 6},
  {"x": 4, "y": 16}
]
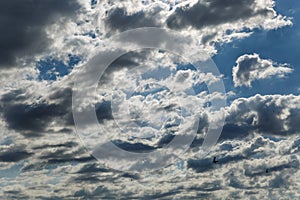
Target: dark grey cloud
[
  {"x": 93, "y": 172},
  {"x": 60, "y": 153},
  {"x": 165, "y": 140},
  {"x": 206, "y": 164},
  {"x": 22, "y": 24},
  {"x": 208, "y": 38},
  {"x": 60, "y": 158},
  {"x": 14, "y": 154},
  {"x": 292, "y": 165},
  {"x": 130, "y": 176},
  {"x": 164, "y": 195},
  {"x": 103, "y": 111},
  {"x": 201, "y": 165},
  {"x": 276, "y": 115},
  {"x": 213, "y": 12},
  {"x": 293, "y": 120},
  {"x": 128, "y": 60},
  {"x": 233, "y": 131},
  {"x": 133, "y": 147},
  {"x": 13, "y": 95},
  {"x": 90, "y": 179},
  {"x": 118, "y": 19},
  {"x": 66, "y": 144},
  {"x": 245, "y": 66},
  {"x": 33, "y": 119},
  {"x": 92, "y": 168}
]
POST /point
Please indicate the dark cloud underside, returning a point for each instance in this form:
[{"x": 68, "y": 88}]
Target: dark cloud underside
[
  {"x": 14, "y": 155},
  {"x": 22, "y": 25},
  {"x": 214, "y": 13},
  {"x": 34, "y": 119},
  {"x": 119, "y": 19}
]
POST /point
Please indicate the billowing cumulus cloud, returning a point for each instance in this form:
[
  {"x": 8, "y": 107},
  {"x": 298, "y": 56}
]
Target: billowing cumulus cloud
[
  {"x": 41, "y": 155},
  {"x": 209, "y": 21},
  {"x": 251, "y": 67},
  {"x": 270, "y": 114}
]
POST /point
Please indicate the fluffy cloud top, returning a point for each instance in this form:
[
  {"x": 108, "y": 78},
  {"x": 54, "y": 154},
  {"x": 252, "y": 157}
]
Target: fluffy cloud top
[
  {"x": 251, "y": 67},
  {"x": 208, "y": 21},
  {"x": 269, "y": 114}
]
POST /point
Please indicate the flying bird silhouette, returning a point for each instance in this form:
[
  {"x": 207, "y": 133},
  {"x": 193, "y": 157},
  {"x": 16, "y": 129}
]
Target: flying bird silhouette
[
  {"x": 215, "y": 161},
  {"x": 267, "y": 170}
]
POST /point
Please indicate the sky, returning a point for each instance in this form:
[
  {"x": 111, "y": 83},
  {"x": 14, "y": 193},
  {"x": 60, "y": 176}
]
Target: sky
[{"x": 90, "y": 111}]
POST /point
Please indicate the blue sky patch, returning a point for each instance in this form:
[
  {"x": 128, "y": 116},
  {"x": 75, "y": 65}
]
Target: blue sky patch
[
  {"x": 50, "y": 68},
  {"x": 280, "y": 46}
]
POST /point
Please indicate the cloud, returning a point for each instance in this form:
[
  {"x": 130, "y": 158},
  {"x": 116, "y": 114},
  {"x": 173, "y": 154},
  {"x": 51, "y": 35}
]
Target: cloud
[
  {"x": 273, "y": 115},
  {"x": 14, "y": 154},
  {"x": 209, "y": 21},
  {"x": 23, "y": 25},
  {"x": 213, "y": 12},
  {"x": 63, "y": 27},
  {"x": 22, "y": 117},
  {"x": 121, "y": 16},
  {"x": 200, "y": 14},
  {"x": 251, "y": 67},
  {"x": 50, "y": 113},
  {"x": 35, "y": 118},
  {"x": 240, "y": 168},
  {"x": 269, "y": 114},
  {"x": 249, "y": 159},
  {"x": 119, "y": 19},
  {"x": 55, "y": 165}
]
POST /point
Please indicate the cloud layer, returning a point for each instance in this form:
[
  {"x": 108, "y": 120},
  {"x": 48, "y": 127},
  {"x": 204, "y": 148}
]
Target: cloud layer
[{"x": 41, "y": 155}]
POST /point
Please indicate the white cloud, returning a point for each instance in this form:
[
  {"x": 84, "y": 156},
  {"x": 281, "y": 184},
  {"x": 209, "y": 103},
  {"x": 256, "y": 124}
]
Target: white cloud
[
  {"x": 251, "y": 67},
  {"x": 269, "y": 114}
]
